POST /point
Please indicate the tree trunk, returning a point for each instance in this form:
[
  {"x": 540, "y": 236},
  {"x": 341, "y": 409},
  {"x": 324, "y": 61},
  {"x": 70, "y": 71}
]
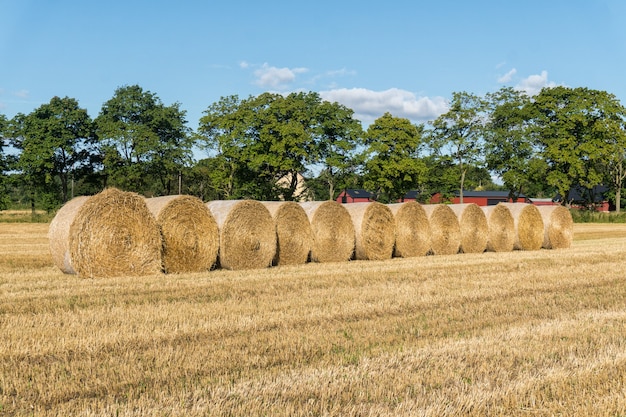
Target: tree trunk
[{"x": 462, "y": 185}]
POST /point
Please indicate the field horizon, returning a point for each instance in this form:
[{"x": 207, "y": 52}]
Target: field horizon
[{"x": 523, "y": 333}]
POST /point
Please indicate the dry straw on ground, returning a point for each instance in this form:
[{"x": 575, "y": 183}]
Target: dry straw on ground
[
  {"x": 473, "y": 225},
  {"x": 294, "y": 236},
  {"x": 374, "y": 227},
  {"x": 501, "y": 233},
  {"x": 110, "y": 234},
  {"x": 529, "y": 230},
  {"x": 333, "y": 231},
  {"x": 444, "y": 228},
  {"x": 189, "y": 231},
  {"x": 558, "y": 227},
  {"x": 412, "y": 229},
  {"x": 247, "y": 234}
]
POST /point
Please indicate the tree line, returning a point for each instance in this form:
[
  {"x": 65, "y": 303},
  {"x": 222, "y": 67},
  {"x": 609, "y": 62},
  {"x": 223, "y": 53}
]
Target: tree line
[{"x": 261, "y": 146}]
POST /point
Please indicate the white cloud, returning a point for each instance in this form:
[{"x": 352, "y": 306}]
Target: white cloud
[
  {"x": 533, "y": 84},
  {"x": 368, "y": 105},
  {"x": 508, "y": 76},
  {"x": 268, "y": 76},
  {"x": 22, "y": 94},
  {"x": 243, "y": 64}
]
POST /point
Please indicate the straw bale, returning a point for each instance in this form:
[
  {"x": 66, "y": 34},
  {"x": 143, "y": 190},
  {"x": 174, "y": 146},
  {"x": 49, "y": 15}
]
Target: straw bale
[
  {"x": 412, "y": 229},
  {"x": 444, "y": 228},
  {"x": 247, "y": 234},
  {"x": 59, "y": 234},
  {"x": 333, "y": 232},
  {"x": 374, "y": 227},
  {"x": 473, "y": 225},
  {"x": 294, "y": 236},
  {"x": 529, "y": 229},
  {"x": 109, "y": 234},
  {"x": 189, "y": 232},
  {"x": 501, "y": 233},
  {"x": 558, "y": 227}
]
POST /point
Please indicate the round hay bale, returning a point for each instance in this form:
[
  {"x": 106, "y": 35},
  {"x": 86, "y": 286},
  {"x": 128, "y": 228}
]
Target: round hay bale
[
  {"x": 473, "y": 225},
  {"x": 529, "y": 229},
  {"x": 189, "y": 232},
  {"x": 558, "y": 227},
  {"x": 109, "y": 234},
  {"x": 444, "y": 228},
  {"x": 294, "y": 236},
  {"x": 59, "y": 234},
  {"x": 247, "y": 234},
  {"x": 501, "y": 228},
  {"x": 374, "y": 227},
  {"x": 412, "y": 229},
  {"x": 333, "y": 231}
]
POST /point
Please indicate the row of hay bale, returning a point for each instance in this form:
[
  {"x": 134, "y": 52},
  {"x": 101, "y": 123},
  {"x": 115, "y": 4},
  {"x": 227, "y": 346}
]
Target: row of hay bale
[{"x": 120, "y": 233}]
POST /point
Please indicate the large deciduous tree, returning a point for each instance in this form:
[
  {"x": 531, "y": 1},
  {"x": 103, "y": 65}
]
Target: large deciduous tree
[
  {"x": 144, "y": 143},
  {"x": 392, "y": 162},
  {"x": 338, "y": 138},
  {"x": 510, "y": 151},
  {"x": 458, "y": 133},
  {"x": 581, "y": 133},
  {"x": 264, "y": 143},
  {"x": 55, "y": 142}
]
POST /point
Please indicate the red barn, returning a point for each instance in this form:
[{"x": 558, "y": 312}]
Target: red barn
[
  {"x": 409, "y": 196},
  {"x": 481, "y": 198},
  {"x": 351, "y": 195}
]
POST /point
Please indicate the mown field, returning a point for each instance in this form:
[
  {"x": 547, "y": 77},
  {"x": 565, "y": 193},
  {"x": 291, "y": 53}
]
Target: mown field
[{"x": 517, "y": 334}]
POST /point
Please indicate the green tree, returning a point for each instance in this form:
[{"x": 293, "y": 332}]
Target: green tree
[
  {"x": 265, "y": 143},
  {"x": 392, "y": 163},
  {"x": 581, "y": 134},
  {"x": 458, "y": 133},
  {"x": 4, "y": 163},
  {"x": 338, "y": 137},
  {"x": 223, "y": 132},
  {"x": 283, "y": 139},
  {"x": 510, "y": 151},
  {"x": 56, "y": 143},
  {"x": 144, "y": 144}
]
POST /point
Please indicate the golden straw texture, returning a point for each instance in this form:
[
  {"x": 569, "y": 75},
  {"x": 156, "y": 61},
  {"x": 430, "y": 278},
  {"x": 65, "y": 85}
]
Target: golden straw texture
[
  {"x": 501, "y": 235},
  {"x": 59, "y": 234},
  {"x": 189, "y": 231},
  {"x": 374, "y": 227},
  {"x": 412, "y": 229},
  {"x": 333, "y": 231},
  {"x": 247, "y": 234},
  {"x": 558, "y": 227},
  {"x": 114, "y": 234},
  {"x": 444, "y": 228},
  {"x": 529, "y": 230},
  {"x": 473, "y": 225},
  {"x": 294, "y": 236}
]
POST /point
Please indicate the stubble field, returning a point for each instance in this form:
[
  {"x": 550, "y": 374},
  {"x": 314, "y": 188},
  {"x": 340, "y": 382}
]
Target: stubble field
[{"x": 510, "y": 334}]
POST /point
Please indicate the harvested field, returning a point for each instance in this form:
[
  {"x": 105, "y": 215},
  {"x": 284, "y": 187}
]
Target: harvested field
[{"x": 522, "y": 333}]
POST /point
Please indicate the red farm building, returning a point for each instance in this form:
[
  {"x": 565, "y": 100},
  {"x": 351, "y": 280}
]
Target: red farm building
[
  {"x": 481, "y": 198},
  {"x": 352, "y": 195}
]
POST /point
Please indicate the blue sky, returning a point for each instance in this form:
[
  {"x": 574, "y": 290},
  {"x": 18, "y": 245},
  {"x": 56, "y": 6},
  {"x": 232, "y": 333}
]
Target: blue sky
[{"x": 403, "y": 57}]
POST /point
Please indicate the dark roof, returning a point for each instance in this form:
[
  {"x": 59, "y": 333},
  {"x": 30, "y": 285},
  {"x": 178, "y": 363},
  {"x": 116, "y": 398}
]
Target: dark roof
[
  {"x": 358, "y": 193},
  {"x": 488, "y": 194},
  {"x": 580, "y": 194},
  {"x": 413, "y": 194}
]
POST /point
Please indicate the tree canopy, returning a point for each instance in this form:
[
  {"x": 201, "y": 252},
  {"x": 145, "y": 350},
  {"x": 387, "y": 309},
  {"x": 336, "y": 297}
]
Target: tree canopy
[{"x": 263, "y": 146}]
